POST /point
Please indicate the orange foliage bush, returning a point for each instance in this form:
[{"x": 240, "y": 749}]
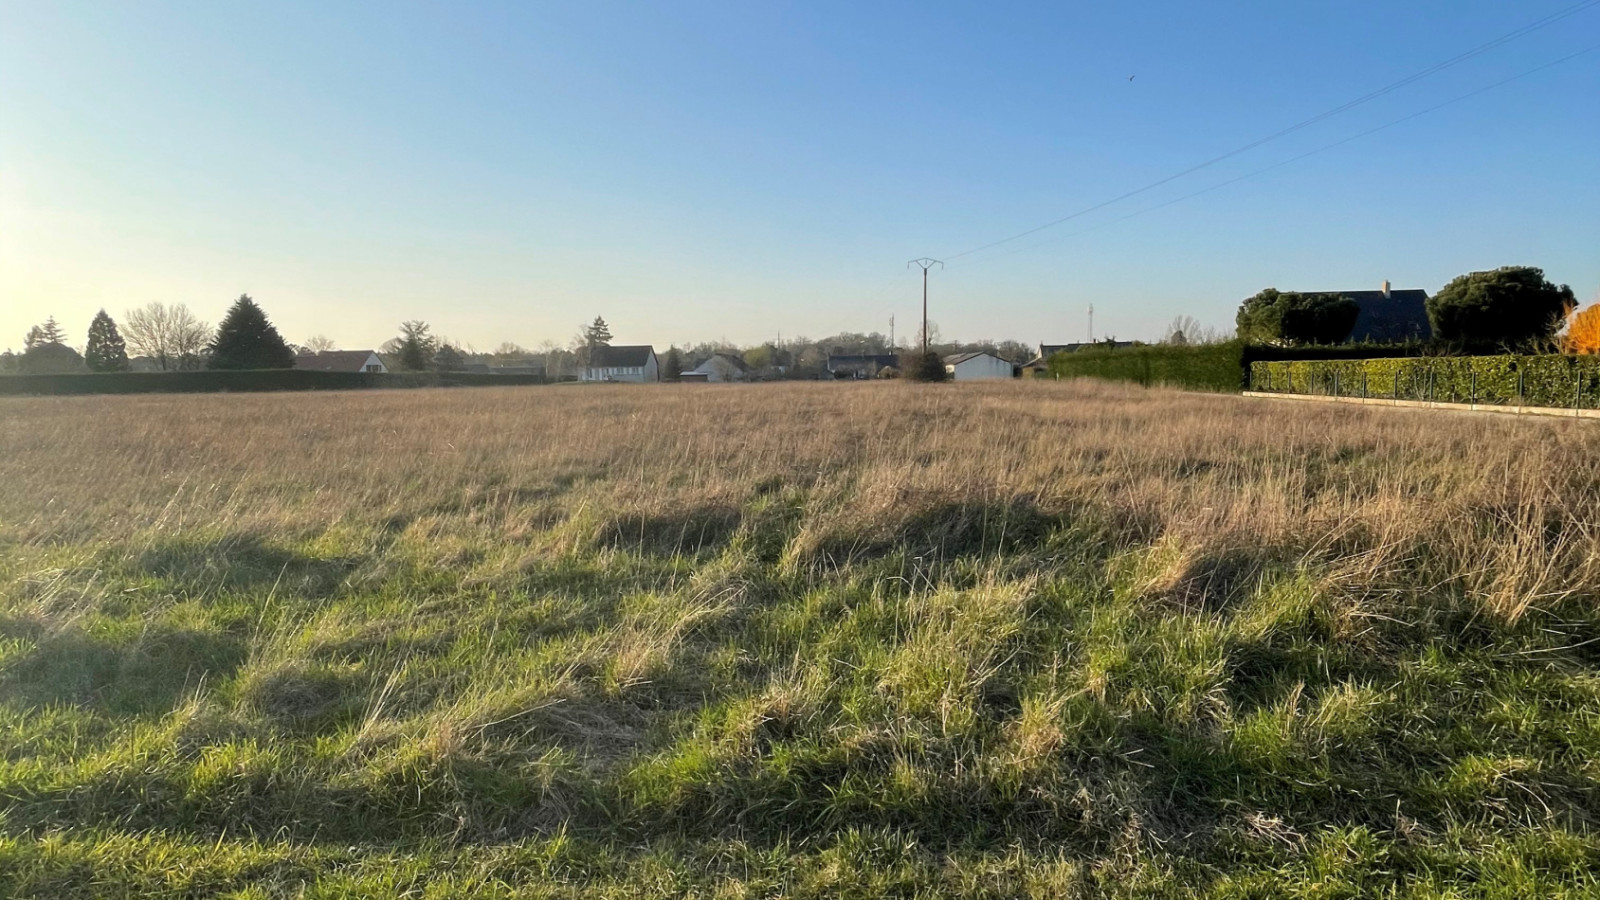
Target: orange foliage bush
[{"x": 1583, "y": 334}]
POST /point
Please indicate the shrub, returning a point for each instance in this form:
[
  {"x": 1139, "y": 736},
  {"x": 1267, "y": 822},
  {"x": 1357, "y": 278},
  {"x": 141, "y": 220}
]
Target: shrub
[
  {"x": 1583, "y": 335},
  {"x": 50, "y": 358},
  {"x": 924, "y": 367}
]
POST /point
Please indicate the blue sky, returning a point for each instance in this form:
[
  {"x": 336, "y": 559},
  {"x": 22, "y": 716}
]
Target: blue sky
[{"x": 696, "y": 171}]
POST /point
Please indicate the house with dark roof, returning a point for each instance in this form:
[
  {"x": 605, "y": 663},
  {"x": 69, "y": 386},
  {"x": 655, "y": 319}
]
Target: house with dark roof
[
  {"x": 1389, "y": 317},
  {"x": 861, "y": 365},
  {"x": 630, "y": 363},
  {"x": 341, "y": 361}
]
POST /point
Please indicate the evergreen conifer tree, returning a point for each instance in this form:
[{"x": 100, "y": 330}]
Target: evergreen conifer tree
[
  {"x": 106, "y": 351},
  {"x": 415, "y": 346},
  {"x": 247, "y": 340},
  {"x": 48, "y": 333}
]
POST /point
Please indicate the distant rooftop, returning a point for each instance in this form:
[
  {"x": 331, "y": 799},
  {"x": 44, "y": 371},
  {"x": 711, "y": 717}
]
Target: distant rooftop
[
  {"x": 956, "y": 359},
  {"x": 1389, "y": 316},
  {"x": 334, "y": 361},
  {"x": 1048, "y": 350},
  {"x": 621, "y": 357}
]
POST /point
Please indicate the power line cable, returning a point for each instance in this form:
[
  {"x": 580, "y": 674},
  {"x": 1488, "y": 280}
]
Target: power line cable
[
  {"x": 1344, "y": 107},
  {"x": 1323, "y": 149}
]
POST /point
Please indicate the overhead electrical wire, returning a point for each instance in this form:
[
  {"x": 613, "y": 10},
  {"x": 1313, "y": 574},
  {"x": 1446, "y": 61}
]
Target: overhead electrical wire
[
  {"x": 1323, "y": 149},
  {"x": 1342, "y": 108}
]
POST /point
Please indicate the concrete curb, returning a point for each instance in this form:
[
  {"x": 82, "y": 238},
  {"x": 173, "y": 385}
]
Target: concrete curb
[{"x": 1430, "y": 404}]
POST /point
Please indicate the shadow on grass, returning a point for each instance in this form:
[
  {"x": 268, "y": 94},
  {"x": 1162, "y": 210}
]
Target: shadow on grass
[
  {"x": 680, "y": 533},
  {"x": 951, "y": 531},
  {"x": 244, "y": 562},
  {"x": 1219, "y": 582},
  {"x": 134, "y": 672}
]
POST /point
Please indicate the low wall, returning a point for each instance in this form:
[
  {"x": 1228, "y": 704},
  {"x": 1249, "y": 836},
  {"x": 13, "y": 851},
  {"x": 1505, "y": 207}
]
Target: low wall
[{"x": 1432, "y": 404}]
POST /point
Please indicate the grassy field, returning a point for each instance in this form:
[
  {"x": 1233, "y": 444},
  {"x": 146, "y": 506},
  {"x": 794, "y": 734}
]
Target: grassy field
[{"x": 875, "y": 640}]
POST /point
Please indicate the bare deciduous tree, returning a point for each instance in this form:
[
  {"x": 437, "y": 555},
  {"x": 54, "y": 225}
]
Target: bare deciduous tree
[
  {"x": 319, "y": 343},
  {"x": 1188, "y": 330},
  {"x": 171, "y": 335}
]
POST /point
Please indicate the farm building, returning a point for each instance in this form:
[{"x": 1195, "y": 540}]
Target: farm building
[
  {"x": 341, "y": 361},
  {"x": 632, "y": 363},
  {"x": 720, "y": 367},
  {"x": 978, "y": 366}
]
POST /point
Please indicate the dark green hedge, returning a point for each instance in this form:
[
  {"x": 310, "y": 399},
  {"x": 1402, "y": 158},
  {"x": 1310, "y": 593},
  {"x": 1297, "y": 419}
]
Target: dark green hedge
[
  {"x": 1207, "y": 367},
  {"x": 1547, "y": 380},
  {"x": 245, "y": 381}
]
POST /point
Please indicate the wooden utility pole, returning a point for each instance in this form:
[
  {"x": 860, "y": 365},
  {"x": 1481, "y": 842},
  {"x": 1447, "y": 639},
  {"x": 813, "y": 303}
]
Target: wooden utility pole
[{"x": 925, "y": 263}]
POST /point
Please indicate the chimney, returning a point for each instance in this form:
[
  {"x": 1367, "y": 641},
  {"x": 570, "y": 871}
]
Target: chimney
[{"x": 1386, "y": 289}]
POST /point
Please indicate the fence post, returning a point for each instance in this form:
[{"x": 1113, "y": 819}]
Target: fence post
[
  {"x": 1336, "y": 382},
  {"x": 1363, "y": 382},
  {"x": 1577, "y": 392},
  {"x": 1520, "y": 393},
  {"x": 1473, "y": 399}
]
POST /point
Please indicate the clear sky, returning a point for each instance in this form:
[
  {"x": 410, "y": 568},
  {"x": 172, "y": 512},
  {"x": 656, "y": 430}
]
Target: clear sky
[{"x": 697, "y": 171}]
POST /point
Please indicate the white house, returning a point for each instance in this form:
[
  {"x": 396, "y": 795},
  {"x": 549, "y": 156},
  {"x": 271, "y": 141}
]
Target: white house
[
  {"x": 341, "y": 361},
  {"x": 720, "y": 367},
  {"x": 976, "y": 366},
  {"x": 635, "y": 363}
]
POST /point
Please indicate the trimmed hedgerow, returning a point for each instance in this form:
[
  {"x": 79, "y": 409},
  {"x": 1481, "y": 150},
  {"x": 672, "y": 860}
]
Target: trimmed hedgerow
[
  {"x": 215, "y": 381},
  {"x": 1545, "y": 380},
  {"x": 1207, "y": 367}
]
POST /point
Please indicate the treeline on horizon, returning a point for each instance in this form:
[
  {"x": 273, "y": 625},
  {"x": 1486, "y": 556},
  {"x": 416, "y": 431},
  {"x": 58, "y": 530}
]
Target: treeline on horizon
[
  {"x": 1513, "y": 308},
  {"x": 172, "y": 338}
]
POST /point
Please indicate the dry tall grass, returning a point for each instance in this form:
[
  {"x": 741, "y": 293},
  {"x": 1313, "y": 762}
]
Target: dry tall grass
[
  {"x": 1007, "y": 639},
  {"x": 1507, "y": 508}
]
